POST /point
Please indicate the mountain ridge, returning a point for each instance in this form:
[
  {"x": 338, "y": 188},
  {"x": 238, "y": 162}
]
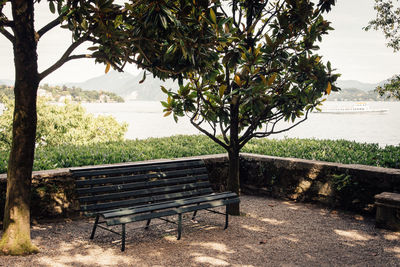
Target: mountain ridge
[{"x": 130, "y": 87}]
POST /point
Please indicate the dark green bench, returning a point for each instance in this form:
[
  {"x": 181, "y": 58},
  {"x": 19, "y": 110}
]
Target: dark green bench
[{"x": 145, "y": 191}]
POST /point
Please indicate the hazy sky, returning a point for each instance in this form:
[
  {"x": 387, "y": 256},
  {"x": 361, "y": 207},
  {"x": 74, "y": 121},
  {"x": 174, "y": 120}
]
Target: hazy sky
[{"x": 356, "y": 54}]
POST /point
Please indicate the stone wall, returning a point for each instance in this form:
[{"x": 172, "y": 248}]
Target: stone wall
[
  {"x": 351, "y": 187},
  {"x": 337, "y": 185}
]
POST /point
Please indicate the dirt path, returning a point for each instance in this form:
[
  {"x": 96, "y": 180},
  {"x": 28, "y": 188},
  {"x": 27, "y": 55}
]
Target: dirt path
[{"x": 273, "y": 233}]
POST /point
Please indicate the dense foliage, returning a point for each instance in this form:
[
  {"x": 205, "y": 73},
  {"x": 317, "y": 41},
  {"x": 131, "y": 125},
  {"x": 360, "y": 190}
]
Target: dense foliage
[
  {"x": 266, "y": 70},
  {"x": 390, "y": 89},
  {"x": 64, "y": 124},
  {"x": 341, "y": 151}
]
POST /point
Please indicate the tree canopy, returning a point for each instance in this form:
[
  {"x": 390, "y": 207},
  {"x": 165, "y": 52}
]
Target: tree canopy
[{"x": 266, "y": 71}]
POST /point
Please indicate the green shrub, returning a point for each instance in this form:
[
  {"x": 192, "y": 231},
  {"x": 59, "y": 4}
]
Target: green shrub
[
  {"x": 341, "y": 151},
  {"x": 63, "y": 124}
]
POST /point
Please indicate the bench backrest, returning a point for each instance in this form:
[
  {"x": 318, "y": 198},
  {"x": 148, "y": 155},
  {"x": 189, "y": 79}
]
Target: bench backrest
[{"x": 109, "y": 188}]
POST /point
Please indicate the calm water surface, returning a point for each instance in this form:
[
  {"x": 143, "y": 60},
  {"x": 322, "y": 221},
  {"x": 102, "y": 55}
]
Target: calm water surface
[{"x": 145, "y": 119}]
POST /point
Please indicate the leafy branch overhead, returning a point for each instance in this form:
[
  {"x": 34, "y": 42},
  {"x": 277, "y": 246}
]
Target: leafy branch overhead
[
  {"x": 164, "y": 37},
  {"x": 265, "y": 67},
  {"x": 388, "y": 21}
]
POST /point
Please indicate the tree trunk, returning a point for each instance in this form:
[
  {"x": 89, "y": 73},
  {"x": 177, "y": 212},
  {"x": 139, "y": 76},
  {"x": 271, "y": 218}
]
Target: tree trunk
[
  {"x": 233, "y": 183},
  {"x": 16, "y": 239}
]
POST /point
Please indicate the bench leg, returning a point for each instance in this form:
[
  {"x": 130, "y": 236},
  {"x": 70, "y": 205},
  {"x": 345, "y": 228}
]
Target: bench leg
[
  {"x": 226, "y": 217},
  {"x": 123, "y": 238},
  {"x": 94, "y": 226},
  {"x": 147, "y": 224},
  {"x": 179, "y": 226},
  {"x": 194, "y": 214}
]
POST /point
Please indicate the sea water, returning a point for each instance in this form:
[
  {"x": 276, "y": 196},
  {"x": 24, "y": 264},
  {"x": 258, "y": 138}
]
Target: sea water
[{"x": 145, "y": 119}]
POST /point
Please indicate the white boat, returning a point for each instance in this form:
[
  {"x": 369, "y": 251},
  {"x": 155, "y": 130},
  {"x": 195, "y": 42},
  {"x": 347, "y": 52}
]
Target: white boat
[{"x": 357, "y": 108}]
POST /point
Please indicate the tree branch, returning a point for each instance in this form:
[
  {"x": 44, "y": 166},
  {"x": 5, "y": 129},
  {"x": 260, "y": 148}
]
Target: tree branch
[
  {"x": 215, "y": 139},
  {"x": 267, "y": 133},
  {"x": 7, "y": 34},
  {"x": 64, "y": 58},
  {"x": 50, "y": 25}
]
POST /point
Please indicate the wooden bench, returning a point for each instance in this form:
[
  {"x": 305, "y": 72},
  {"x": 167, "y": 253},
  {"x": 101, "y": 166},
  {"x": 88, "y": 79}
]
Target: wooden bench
[
  {"x": 145, "y": 191},
  {"x": 388, "y": 210}
]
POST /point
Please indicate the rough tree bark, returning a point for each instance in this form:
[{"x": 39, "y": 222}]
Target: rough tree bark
[
  {"x": 233, "y": 183},
  {"x": 16, "y": 239}
]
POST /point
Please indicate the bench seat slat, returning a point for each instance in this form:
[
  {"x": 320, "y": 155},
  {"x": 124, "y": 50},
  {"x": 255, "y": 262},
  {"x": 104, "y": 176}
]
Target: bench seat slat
[
  {"x": 137, "y": 168},
  {"x": 153, "y": 215},
  {"x": 168, "y": 205},
  {"x": 139, "y": 177},
  {"x": 143, "y": 192},
  {"x": 138, "y": 201},
  {"x": 145, "y": 184}
]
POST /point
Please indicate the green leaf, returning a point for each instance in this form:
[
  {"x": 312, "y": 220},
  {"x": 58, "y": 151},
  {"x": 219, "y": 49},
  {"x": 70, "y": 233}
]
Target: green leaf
[
  {"x": 52, "y": 7},
  {"x": 213, "y": 16},
  {"x": 170, "y": 49},
  {"x": 163, "y": 21},
  {"x": 164, "y": 89},
  {"x": 222, "y": 89},
  {"x": 84, "y": 24}
]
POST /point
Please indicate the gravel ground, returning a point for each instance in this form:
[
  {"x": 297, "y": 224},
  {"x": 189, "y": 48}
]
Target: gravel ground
[{"x": 271, "y": 233}]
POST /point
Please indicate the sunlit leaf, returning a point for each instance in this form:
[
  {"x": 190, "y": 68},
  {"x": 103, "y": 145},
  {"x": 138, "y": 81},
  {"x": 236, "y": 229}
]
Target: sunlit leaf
[
  {"x": 93, "y": 48},
  {"x": 222, "y": 89},
  {"x": 271, "y": 79},
  {"x": 328, "y": 88},
  {"x": 107, "y": 67},
  {"x": 237, "y": 80},
  {"x": 167, "y": 113},
  {"x": 213, "y": 16},
  {"x": 264, "y": 80}
]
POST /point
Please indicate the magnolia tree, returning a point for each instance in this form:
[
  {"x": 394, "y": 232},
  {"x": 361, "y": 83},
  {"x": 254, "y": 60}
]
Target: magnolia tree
[
  {"x": 267, "y": 72},
  {"x": 140, "y": 32},
  {"x": 388, "y": 21}
]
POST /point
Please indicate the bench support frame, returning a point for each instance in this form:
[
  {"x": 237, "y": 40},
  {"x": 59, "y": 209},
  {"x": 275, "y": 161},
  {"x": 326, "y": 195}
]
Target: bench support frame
[{"x": 179, "y": 224}]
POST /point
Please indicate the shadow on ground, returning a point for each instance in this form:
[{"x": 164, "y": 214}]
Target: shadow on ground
[{"x": 272, "y": 233}]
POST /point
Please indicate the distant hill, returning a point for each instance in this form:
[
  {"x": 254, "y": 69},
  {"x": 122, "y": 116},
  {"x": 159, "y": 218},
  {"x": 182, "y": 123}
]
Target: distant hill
[
  {"x": 127, "y": 85},
  {"x": 353, "y": 84},
  {"x": 353, "y": 94}
]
